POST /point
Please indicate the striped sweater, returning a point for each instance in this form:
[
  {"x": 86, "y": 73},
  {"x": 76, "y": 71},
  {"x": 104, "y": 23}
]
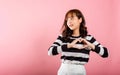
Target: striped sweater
[{"x": 80, "y": 56}]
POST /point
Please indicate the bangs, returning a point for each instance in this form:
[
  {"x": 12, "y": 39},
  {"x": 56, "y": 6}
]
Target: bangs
[{"x": 70, "y": 15}]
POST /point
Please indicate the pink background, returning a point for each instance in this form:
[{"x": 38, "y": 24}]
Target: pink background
[{"x": 29, "y": 27}]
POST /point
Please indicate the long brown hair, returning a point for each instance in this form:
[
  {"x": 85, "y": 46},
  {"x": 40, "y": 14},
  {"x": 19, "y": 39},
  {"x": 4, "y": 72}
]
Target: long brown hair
[{"x": 66, "y": 32}]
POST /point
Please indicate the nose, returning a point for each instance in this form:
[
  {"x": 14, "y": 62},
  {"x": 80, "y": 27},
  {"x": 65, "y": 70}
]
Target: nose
[{"x": 69, "y": 21}]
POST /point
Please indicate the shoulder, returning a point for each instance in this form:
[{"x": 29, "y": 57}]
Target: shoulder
[
  {"x": 60, "y": 37},
  {"x": 89, "y": 37}
]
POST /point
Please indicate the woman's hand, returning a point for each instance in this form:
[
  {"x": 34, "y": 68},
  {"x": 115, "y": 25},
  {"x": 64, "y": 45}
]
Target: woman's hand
[
  {"x": 85, "y": 44},
  {"x": 73, "y": 43}
]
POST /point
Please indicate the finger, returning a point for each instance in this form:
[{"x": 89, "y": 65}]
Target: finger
[
  {"x": 84, "y": 41},
  {"x": 75, "y": 41},
  {"x": 85, "y": 46},
  {"x": 78, "y": 46},
  {"x": 81, "y": 40}
]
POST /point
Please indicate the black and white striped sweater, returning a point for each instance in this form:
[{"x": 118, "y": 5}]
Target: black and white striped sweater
[{"x": 80, "y": 56}]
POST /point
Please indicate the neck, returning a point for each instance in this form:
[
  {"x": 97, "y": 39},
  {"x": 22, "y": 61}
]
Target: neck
[{"x": 76, "y": 32}]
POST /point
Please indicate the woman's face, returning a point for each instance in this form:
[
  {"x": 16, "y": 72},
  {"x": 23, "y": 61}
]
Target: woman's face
[{"x": 73, "y": 22}]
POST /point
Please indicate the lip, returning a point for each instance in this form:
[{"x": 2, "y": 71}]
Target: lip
[{"x": 70, "y": 25}]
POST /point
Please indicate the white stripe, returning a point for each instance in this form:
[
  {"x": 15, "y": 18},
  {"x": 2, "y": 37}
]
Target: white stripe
[
  {"x": 59, "y": 41},
  {"x": 59, "y": 49},
  {"x": 60, "y": 35},
  {"x": 64, "y": 43},
  {"x": 75, "y": 38},
  {"x": 54, "y": 45},
  {"x": 88, "y": 37},
  {"x": 95, "y": 43},
  {"x": 75, "y": 54},
  {"x": 60, "y": 44},
  {"x": 50, "y": 51},
  {"x": 73, "y": 62},
  {"x": 101, "y": 50}
]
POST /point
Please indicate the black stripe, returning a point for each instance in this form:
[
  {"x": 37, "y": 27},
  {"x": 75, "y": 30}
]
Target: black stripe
[
  {"x": 74, "y": 58},
  {"x": 60, "y": 38},
  {"x": 64, "y": 48},
  {"x": 77, "y": 50},
  {"x": 92, "y": 40},
  {"x": 56, "y": 43},
  {"x": 54, "y": 50},
  {"x": 105, "y": 52},
  {"x": 63, "y": 40},
  {"x": 97, "y": 49}
]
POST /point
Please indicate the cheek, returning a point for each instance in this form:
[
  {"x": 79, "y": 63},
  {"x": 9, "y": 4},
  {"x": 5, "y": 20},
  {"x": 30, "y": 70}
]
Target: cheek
[
  {"x": 75, "y": 23},
  {"x": 68, "y": 23}
]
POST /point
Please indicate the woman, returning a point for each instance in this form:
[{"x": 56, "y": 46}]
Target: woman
[{"x": 75, "y": 45}]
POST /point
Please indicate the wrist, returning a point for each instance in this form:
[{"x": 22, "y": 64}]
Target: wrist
[
  {"x": 92, "y": 46},
  {"x": 69, "y": 45}
]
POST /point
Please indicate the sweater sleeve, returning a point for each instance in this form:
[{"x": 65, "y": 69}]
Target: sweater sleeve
[
  {"x": 57, "y": 47},
  {"x": 101, "y": 50}
]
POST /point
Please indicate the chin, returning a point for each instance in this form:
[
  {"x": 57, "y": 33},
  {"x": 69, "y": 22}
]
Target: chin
[{"x": 71, "y": 28}]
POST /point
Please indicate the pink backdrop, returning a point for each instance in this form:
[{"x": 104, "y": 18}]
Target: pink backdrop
[{"x": 29, "y": 27}]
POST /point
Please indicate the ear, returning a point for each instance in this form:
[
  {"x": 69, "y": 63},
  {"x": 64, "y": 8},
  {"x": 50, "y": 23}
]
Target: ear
[{"x": 80, "y": 20}]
